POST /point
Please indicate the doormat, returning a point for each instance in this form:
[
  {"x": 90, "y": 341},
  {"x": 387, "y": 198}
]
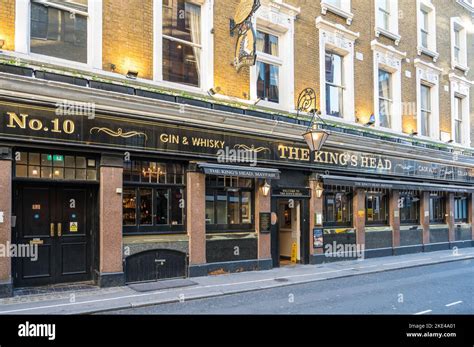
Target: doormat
[{"x": 160, "y": 285}]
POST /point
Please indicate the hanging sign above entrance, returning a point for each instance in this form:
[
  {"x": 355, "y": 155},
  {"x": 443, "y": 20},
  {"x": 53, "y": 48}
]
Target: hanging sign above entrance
[{"x": 246, "y": 48}]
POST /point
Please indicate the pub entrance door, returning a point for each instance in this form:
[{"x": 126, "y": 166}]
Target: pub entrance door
[
  {"x": 58, "y": 220},
  {"x": 291, "y": 230}
]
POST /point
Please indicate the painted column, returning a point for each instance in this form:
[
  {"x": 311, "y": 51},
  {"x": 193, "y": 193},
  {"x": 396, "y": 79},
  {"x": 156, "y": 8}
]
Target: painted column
[
  {"x": 6, "y": 285},
  {"x": 315, "y": 208},
  {"x": 394, "y": 217},
  {"x": 110, "y": 222},
  {"x": 195, "y": 215},
  {"x": 262, "y": 204},
  {"x": 425, "y": 216},
  {"x": 450, "y": 216},
  {"x": 358, "y": 204}
]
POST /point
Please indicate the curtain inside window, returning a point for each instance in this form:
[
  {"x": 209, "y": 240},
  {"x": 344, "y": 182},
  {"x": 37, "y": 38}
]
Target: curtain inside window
[{"x": 194, "y": 13}]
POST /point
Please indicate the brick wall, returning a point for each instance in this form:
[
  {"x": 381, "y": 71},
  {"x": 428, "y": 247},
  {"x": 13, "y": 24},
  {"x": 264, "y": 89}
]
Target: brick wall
[
  {"x": 128, "y": 36},
  {"x": 226, "y": 77},
  {"x": 7, "y": 23}
]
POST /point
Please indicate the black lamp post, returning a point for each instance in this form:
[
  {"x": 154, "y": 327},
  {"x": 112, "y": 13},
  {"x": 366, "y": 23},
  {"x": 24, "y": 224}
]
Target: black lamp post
[{"x": 315, "y": 136}]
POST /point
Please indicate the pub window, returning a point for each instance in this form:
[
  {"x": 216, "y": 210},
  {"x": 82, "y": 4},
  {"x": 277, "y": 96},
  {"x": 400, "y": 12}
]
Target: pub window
[
  {"x": 182, "y": 47},
  {"x": 55, "y": 166},
  {"x": 59, "y": 29},
  {"x": 229, "y": 204},
  {"x": 337, "y": 207},
  {"x": 153, "y": 197},
  {"x": 437, "y": 208},
  {"x": 376, "y": 205},
  {"x": 409, "y": 208},
  {"x": 268, "y": 67},
  {"x": 460, "y": 209}
]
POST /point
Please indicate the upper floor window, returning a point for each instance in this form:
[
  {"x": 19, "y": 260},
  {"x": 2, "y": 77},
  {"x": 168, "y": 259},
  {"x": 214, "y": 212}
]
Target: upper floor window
[
  {"x": 340, "y": 7},
  {"x": 383, "y": 14},
  {"x": 460, "y": 115},
  {"x": 426, "y": 111},
  {"x": 458, "y": 45},
  {"x": 181, "y": 42},
  {"x": 386, "y": 19},
  {"x": 59, "y": 29},
  {"x": 268, "y": 67},
  {"x": 334, "y": 85},
  {"x": 458, "y": 119},
  {"x": 385, "y": 98},
  {"x": 424, "y": 28},
  {"x": 427, "y": 28}
]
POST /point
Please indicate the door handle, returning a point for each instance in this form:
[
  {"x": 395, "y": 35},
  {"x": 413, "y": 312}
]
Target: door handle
[
  {"x": 60, "y": 227},
  {"x": 51, "y": 230}
]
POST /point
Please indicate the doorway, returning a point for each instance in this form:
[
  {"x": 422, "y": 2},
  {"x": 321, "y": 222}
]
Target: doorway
[
  {"x": 290, "y": 235},
  {"x": 59, "y": 221}
]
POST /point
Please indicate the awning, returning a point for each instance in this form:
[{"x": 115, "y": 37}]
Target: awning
[
  {"x": 239, "y": 171},
  {"x": 362, "y": 182}
]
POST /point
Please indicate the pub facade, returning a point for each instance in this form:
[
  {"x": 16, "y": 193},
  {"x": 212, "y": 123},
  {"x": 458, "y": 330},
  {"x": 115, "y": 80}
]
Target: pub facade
[{"x": 121, "y": 179}]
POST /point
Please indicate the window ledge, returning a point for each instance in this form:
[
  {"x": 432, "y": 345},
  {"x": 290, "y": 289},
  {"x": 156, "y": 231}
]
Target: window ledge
[
  {"x": 393, "y": 36},
  {"x": 433, "y": 54},
  {"x": 464, "y": 68},
  {"x": 347, "y": 15}
]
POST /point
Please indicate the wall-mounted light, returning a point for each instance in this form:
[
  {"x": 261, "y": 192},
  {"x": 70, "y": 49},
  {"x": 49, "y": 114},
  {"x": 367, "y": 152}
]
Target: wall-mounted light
[
  {"x": 450, "y": 141},
  {"x": 414, "y": 133},
  {"x": 113, "y": 67},
  {"x": 266, "y": 188},
  {"x": 132, "y": 74},
  {"x": 319, "y": 190},
  {"x": 315, "y": 138},
  {"x": 2, "y": 43}
]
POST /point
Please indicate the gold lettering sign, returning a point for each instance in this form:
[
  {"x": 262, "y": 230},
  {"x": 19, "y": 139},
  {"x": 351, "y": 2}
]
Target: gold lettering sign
[{"x": 24, "y": 121}]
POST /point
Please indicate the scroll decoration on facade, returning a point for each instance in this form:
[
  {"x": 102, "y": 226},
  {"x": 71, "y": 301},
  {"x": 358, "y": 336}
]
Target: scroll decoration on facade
[
  {"x": 118, "y": 133},
  {"x": 246, "y": 48},
  {"x": 252, "y": 148}
]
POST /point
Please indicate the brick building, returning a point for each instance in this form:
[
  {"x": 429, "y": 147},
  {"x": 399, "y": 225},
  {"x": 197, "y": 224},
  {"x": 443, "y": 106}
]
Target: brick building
[{"x": 122, "y": 123}]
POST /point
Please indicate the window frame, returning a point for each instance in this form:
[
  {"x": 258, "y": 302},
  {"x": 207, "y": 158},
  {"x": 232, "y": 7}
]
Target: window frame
[
  {"x": 384, "y": 198},
  {"x": 392, "y": 31},
  {"x": 344, "y": 10},
  {"x": 460, "y": 88},
  {"x": 428, "y": 75},
  {"x": 441, "y": 199},
  {"x": 465, "y": 218},
  {"x": 349, "y": 196},
  {"x": 457, "y": 26},
  {"x": 207, "y": 51},
  {"x": 425, "y": 6},
  {"x": 271, "y": 60},
  {"x": 278, "y": 23},
  {"x": 94, "y": 36},
  {"x": 417, "y": 220},
  {"x": 154, "y": 228},
  {"x": 340, "y": 87},
  {"x": 344, "y": 46}
]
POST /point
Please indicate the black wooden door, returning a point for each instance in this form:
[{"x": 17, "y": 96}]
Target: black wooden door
[{"x": 55, "y": 219}]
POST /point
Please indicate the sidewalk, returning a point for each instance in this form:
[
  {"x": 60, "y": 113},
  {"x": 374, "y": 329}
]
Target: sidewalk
[{"x": 95, "y": 299}]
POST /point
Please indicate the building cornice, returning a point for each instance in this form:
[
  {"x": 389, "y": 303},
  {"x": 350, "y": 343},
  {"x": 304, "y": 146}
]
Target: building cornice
[{"x": 323, "y": 24}]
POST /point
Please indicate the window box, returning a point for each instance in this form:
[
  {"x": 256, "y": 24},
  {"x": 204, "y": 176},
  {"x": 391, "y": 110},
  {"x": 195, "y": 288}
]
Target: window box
[
  {"x": 230, "y": 109},
  {"x": 61, "y": 78},
  {"x": 193, "y": 102},
  {"x": 258, "y": 114},
  {"x": 112, "y": 87},
  {"x": 16, "y": 70},
  {"x": 154, "y": 95}
]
